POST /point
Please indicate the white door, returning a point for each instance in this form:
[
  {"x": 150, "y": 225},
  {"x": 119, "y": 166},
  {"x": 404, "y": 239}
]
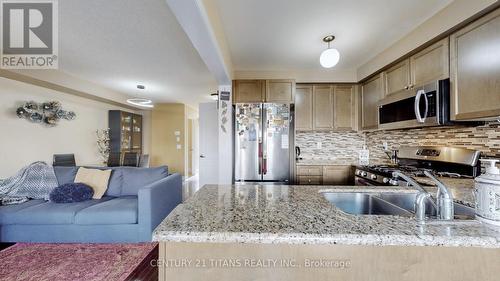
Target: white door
[{"x": 209, "y": 143}]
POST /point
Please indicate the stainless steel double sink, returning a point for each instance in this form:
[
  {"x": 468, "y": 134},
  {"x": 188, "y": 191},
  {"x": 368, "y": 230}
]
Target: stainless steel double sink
[{"x": 390, "y": 203}]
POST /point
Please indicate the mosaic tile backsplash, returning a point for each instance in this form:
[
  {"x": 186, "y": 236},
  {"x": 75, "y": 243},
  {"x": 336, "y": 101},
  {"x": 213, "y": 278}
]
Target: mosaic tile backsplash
[
  {"x": 337, "y": 147},
  {"x": 343, "y": 147}
]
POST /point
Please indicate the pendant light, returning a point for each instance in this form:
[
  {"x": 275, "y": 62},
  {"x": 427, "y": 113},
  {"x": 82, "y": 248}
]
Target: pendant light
[
  {"x": 141, "y": 101},
  {"x": 329, "y": 57}
]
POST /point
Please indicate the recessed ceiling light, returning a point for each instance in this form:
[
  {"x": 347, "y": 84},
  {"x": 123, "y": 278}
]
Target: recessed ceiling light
[
  {"x": 141, "y": 87},
  {"x": 329, "y": 57}
]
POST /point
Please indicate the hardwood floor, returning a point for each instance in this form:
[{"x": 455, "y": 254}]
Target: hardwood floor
[
  {"x": 5, "y": 245},
  {"x": 145, "y": 271}
]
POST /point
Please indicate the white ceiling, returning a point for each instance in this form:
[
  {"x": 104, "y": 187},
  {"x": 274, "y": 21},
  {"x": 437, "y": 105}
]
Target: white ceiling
[
  {"x": 286, "y": 35},
  {"x": 121, "y": 43}
]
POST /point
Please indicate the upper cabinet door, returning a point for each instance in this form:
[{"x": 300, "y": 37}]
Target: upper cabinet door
[
  {"x": 397, "y": 78},
  {"x": 371, "y": 93},
  {"x": 304, "y": 108},
  {"x": 475, "y": 69},
  {"x": 344, "y": 109},
  {"x": 430, "y": 64},
  {"x": 249, "y": 91},
  {"x": 323, "y": 107},
  {"x": 280, "y": 90}
]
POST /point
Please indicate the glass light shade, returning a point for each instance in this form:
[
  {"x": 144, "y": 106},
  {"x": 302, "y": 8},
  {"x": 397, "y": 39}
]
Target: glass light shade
[
  {"x": 329, "y": 58},
  {"x": 141, "y": 102}
]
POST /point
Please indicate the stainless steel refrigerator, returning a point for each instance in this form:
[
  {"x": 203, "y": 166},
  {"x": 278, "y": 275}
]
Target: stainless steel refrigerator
[{"x": 263, "y": 137}]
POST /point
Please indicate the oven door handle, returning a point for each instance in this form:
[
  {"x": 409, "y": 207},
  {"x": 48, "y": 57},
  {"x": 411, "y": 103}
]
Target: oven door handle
[{"x": 418, "y": 115}]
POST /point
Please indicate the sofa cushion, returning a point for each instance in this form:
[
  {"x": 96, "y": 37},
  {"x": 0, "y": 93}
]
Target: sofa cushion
[
  {"x": 136, "y": 178},
  {"x": 71, "y": 192},
  {"x": 67, "y": 175},
  {"x": 97, "y": 179},
  {"x": 7, "y": 210},
  {"x": 50, "y": 213},
  {"x": 122, "y": 210},
  {"x": 115, "y": 183}
]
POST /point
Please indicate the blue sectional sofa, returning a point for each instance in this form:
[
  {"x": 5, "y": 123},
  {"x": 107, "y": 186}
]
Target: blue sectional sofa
[{"x": 136, "y": 201}]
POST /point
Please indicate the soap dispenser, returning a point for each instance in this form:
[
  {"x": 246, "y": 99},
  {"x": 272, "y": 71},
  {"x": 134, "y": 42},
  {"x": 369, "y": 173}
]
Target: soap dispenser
[{"x": 487, "y": 191}]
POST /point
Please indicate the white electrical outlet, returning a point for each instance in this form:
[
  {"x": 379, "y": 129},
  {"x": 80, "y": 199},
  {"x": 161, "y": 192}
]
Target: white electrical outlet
[{"x": 319, "y": 145}]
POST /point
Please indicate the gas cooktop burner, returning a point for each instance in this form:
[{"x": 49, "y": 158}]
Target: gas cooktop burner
[
  {"x": 382, "y": 174},
  {"x": 415, "y": 160}
]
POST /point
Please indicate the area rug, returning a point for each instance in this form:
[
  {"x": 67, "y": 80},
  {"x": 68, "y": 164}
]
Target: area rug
[{"x": 65, "y": 262}]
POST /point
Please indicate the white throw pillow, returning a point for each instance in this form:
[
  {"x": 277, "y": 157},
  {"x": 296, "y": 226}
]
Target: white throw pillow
[{"x": 97, "y": 179}]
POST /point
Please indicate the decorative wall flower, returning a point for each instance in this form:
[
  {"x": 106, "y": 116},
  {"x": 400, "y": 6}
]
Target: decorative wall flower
[
  {"x": 21, "y": 112},
  {"x": 31, "y": 106},
  {"x": 36, "y": 117},
  {"x": 48, "y": 113}
]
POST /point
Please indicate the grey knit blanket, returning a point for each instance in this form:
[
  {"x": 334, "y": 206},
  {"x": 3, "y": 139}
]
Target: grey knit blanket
[{"x": 34, "y": 181}]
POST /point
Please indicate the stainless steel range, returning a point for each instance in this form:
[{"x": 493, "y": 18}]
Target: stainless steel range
[{"x": 414, "y": 160}]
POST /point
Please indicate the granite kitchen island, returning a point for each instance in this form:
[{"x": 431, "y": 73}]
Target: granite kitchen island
[
  {"x": 299, "y": 221},
  {"x": 301, "y": 215}
]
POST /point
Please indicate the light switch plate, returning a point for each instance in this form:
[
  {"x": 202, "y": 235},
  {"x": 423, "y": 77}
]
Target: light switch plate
[
  {"x": 319, "y": 145},
  {"x": 179, "y": 146},
  {"x": 177, "y": 133},
  {"x": 178, "y": 139}
]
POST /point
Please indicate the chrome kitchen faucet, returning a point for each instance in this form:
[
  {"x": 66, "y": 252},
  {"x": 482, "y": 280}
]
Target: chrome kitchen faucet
[{"x": 444, "y": 206}]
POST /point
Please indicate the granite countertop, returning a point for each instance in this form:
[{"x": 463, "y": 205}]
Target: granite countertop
[
  {"x": 323, "y": 163},
  {"x": 326, "y": 161},
  {"x": 301, "y": 215}
]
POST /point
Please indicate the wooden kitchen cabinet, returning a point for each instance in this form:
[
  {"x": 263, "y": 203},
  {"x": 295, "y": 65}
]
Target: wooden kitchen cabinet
[
  {"x": 475, "y": 69},
  {"x": 430, "y": 64},
  {"x": 323, "y": 107},
  {"x": 280, "y": 91},
  {"x": 326, "y": 175},
  {"x": 338, "y": 175},
  {"x": 249, "y": 91},
  {"x": 309, "y": 170},
  {"x": 397, "y": 78},
  {"x": 344, "y": 108},
  {"x": 371, "y": 93},
  {"x": 312, "y": 175},
  {"x": 310, "y": 180},
  {"x": 255, "y": 91},
  {"x": 304, "y": 108}
]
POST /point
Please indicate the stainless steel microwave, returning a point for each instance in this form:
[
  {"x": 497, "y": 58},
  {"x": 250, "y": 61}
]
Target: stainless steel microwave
[{"x": 428, "y": 105}]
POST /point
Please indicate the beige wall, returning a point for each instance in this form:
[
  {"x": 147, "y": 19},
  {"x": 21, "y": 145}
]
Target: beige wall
[
  {"x": 23, "y": 142},
  {"x": 166, "y": 119},
  {"x": 453, "y": 14}
]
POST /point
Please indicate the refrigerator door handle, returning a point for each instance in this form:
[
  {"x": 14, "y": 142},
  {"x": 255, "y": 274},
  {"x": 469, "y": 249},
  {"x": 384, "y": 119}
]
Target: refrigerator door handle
[
  {"x": 264, "y": 165},
  {"x": 260, "y": 158}
]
